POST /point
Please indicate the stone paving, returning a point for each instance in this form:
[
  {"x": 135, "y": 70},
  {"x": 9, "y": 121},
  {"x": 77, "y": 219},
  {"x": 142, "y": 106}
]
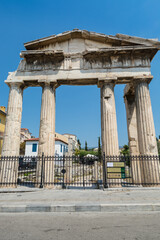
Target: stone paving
[{"x": 126, "y": 199}]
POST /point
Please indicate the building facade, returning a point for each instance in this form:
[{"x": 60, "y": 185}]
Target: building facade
[
  {"x": 31, "y": 147},
  {"x": 25, "y": 134},
  {"x": 72, "y": 143},
  {"x": 2, "y": 125}
]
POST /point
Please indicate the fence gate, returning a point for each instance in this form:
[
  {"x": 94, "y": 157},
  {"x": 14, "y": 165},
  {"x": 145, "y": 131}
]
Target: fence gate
[
  {"x": 68, "y": 172},
  {"x": 71, "y": 172}
]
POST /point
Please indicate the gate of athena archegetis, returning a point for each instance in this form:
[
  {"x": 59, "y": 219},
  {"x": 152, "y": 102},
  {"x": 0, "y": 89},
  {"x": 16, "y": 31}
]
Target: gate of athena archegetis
[{"x": 80, "y": 57}]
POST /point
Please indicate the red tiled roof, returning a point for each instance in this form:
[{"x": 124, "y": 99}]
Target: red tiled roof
[
  {"x": 37, "y": 139},
  {"x": 32, "y": 139},
  {"x": 3, "y": 112},
  {"x": 57, "y": 139}
]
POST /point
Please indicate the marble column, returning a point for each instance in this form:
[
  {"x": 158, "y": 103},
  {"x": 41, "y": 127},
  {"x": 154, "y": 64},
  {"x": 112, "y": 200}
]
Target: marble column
[
  {"x": 130, "y": 105},
  {"x": 109, "y": 133},
  {"x": 131, "y": 123},
  {"x": 146, "y": 134},
  {"x": 47, "y": 132},
  {"x": 11, "y": 142}
]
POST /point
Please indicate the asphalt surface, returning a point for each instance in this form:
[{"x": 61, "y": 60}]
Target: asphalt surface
[{"x": 86, "y": 226}]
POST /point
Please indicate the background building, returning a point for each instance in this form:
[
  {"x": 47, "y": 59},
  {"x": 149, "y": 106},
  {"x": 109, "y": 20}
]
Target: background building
[
  {"x": 61, "y": 146},
  {"x": 72, "y": 143},
  {"x": 2, "y": 125},
  {"x": 25, "y": 134}
]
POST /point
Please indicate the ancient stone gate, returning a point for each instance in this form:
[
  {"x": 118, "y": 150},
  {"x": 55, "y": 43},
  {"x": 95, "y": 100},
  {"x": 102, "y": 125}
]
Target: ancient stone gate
[{"x": 80, "y": 57}]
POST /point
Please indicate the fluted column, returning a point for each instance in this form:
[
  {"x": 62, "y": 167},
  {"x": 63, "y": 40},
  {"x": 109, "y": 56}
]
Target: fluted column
[
  {"x": 47, "y": 130},
  {"x": 47, "y": 122},
  {"x": 131, "y": 123},
  {"x": 146, "y": 130},
  {"x": 130, "y": 105},
  {"x": 11, "y": 142},
  {"x": 146, "y": 134},
  {"x": 108, "y": 121}
]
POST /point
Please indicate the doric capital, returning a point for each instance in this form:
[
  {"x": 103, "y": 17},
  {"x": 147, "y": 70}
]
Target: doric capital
[
  {"x": 16, "y": 85},
  {"x": 142, "y": 79},
  {"x": 107, "y": 80}
]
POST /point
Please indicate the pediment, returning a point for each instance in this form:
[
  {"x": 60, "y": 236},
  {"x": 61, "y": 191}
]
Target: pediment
[{"x": 81, "y": 40}]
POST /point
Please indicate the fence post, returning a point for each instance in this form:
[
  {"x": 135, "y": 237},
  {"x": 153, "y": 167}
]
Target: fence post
[
  {"x": 42, "y": 172},
  {"x": 104, "y": 172}
]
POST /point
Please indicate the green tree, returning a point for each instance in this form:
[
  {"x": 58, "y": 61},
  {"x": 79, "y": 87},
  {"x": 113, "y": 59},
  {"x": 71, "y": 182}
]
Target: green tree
[
  {"x": 99, "y": 147},
  {"x": 125, "y": 150},
  {"x": 158, "y": 145},
  {"x": 77, "y": 152},
  {"x": 22, "y": 148},
  {"x": 79, "y": 144},
  {"x": 86, "y": 147}
]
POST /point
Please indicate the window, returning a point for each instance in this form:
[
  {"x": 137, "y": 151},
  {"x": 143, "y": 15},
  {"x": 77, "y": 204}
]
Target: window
[
  {"x": 0, "y": 120},
  {"x": 34, "y": 147},
  {"x": 61, "y": 147}
]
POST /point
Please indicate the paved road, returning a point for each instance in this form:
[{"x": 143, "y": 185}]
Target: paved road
[{"x": 66, "y": 226}]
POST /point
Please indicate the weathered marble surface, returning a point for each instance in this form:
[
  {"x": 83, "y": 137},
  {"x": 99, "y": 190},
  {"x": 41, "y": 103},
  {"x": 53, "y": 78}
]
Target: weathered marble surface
[
  {"x": 85, "y": 57},
  {"x": 150, "y": 169},
  {"x": 47, "y": 121},
  {"x": 109, "y": 121},
  {"x": 11, "y": 142},
  {"x": 146, "y": 130},
  {"x": 47, "y": 134},
  {"x": 130, "y": 105},
  {"x": 13, "y": 121}
]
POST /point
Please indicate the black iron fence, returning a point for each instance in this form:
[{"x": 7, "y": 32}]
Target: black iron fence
[{"x": 93, "y": 172}]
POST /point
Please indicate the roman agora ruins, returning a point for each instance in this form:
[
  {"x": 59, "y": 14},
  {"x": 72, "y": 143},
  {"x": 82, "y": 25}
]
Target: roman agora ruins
[{"x": 80, "y": 57}]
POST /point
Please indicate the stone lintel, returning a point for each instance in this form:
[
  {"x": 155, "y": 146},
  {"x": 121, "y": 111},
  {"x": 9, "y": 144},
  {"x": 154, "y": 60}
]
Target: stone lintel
[
  {"x": 129, "y": 80},
  {"x": 140, "y": 50},
  {"x": 30, "y": 53},
  {"x": 78, "y": 81},
  {"x": 47, "y": 55},
  {"x": 30, "y": 83}
]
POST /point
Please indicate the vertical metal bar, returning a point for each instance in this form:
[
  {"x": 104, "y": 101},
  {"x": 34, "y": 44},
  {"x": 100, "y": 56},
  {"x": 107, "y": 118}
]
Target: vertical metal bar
[
  {"x": 83, "y": 173},
  {"x": 41, "y": 184},
  {"x": 104, "y": 172},
  {"x": 63, "y": 172}
]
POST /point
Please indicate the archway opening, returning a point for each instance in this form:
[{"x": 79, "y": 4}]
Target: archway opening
[
  {"x": 121, "y": 115},
  {"x": 78, "y": 112},
  {"x": 31, "y": 109}
]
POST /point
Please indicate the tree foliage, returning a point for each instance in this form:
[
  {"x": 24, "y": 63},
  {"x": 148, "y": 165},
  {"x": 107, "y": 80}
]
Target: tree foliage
[
  {"x": 84, "y": 153},
  {"x": 99, "y": 147},
  {"x": 125, "y": 150},
  {"x": 86, "y": 147},
  {"x": 77, "y": 152},
  {"x": 158, "y": 146},
  {"x": 79, "y": 143},
  {"x": 22, "y": 148}
]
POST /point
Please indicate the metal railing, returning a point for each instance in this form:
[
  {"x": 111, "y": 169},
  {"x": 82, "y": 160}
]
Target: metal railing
[{"x": 76, "y": 171}]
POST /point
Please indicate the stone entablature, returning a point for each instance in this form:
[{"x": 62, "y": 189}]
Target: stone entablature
[{"x": 82, "y": 57}]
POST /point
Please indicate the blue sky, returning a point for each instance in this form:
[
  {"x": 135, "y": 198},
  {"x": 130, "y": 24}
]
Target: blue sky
[{"x": 77, "y": 108}]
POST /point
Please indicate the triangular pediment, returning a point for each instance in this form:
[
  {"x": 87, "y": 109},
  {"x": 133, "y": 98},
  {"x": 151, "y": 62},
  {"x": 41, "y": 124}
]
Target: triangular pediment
[{"x": 84, "y": 40}]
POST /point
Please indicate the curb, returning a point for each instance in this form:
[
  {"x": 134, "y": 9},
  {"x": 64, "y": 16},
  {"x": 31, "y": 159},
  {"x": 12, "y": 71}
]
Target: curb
[
  {"x": 80, "y": 208},
  {"x": 124, "y": 189}
]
